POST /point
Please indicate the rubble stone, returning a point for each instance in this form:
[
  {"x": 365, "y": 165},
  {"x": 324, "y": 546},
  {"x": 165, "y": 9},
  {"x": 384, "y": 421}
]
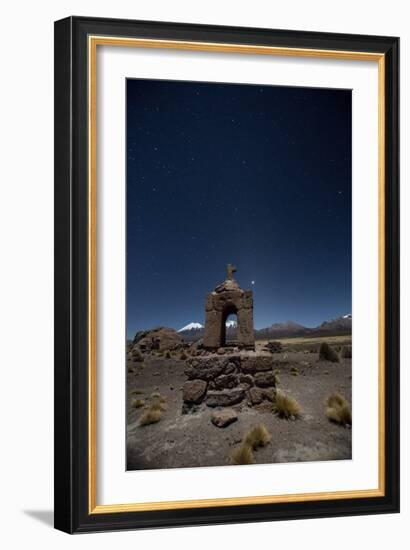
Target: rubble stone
[
  {"x": 194, "y": 391},
  {"x": 223, "y": 418}
]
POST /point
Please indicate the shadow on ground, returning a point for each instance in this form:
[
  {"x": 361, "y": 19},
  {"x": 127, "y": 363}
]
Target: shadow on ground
[{"x": 43, "y": 516}]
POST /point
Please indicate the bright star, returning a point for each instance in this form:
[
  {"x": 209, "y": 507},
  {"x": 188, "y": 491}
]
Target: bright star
[{"x": 252, "y": 282}]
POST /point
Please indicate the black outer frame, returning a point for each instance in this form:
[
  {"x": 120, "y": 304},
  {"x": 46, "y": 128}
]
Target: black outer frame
[{"x": 71, "y": 275}]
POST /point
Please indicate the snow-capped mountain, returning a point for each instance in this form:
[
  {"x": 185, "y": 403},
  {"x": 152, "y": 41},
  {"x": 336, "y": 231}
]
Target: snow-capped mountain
[
  {"x": 191, "y": 326},
  {"x": 197, "y": 326},
  {"x": 337, "y": 325}
]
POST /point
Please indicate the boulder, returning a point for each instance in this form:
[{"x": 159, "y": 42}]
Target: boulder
[
  {"x": 257, "y": 395},
  {"x": 161, "y": 339},
  {"x": 225, "y": 381},
  {"x": 206, "y": 368},
  {"x": 194, "y": 391},
  {"x": 223, "y": 418},
  {"x": 265, "y": 379},
  {"x": 246, "y": 379},
  {"x": 225, "y": 398},
  {"x": 230, "y": 368},
  {"x": 256, "y": 363}
]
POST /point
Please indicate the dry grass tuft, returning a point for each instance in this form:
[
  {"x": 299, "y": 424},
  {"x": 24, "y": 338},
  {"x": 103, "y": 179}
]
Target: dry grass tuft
[
  {"x": 335, "y": 400},
  {"x": 153, "y": 412},
  {"x": 258, "y": 436},
  {"x": 286, "y": 406},
  {"x": 242, "y": 455},
  {"x": 158, "y": 405},
  {"x": 183, "y": 356},
  {"x": 338, "y": 410},
  {"x": 346, "y": 352},
  {"x": 294, "y": 371},
  {"x": 159, "y": 402},
  {"x": 326, "y": 353},
  {"x": 150, "y": 416},
  {"x": 138, "y": 403}
]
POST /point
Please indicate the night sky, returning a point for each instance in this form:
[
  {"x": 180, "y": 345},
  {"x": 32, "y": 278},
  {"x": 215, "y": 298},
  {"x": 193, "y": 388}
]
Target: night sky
[{"x": 258, "y": 176}]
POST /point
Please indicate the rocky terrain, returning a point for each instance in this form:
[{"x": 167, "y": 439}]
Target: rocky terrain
[{"x": 187, "y": 407}]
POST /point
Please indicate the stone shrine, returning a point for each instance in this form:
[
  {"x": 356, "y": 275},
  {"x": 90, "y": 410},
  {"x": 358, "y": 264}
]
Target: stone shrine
[
  {"x": 227, "y": 299},
  {"x": 224, "y": 376}
]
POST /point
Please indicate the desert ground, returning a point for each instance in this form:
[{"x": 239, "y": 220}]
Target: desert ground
[{"x": 180, "y": 440}]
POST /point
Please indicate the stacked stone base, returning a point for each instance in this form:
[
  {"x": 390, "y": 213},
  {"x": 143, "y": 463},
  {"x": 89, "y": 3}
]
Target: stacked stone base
[{"x": 229, "y": 380}]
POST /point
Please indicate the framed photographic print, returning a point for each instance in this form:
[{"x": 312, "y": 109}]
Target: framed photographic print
[{"x": 226, "y": 274}]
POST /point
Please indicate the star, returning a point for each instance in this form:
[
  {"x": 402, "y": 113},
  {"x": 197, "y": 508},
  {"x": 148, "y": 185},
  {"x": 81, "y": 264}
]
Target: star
[{"x": 252, "y": 282}]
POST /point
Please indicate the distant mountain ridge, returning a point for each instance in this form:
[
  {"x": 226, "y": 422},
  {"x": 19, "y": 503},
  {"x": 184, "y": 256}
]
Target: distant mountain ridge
[
  {"x": 339, "y": 326},
  {"x": 288, "y": 329}
]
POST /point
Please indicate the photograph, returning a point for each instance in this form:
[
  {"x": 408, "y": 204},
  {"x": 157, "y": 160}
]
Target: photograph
[{"x": 238, "y": 274}]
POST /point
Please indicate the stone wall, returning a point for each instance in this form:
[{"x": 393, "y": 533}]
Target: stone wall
[{"x": 226, "y": 380}]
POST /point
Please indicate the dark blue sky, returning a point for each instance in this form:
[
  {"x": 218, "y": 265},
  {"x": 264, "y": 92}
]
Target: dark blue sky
[{"x": 259, "y": 176}]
